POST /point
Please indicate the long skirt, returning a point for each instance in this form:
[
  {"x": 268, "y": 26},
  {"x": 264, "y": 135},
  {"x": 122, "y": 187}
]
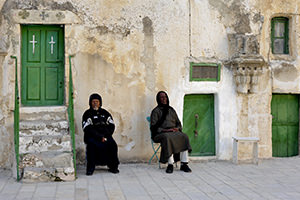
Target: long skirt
[
  {"x": 172, "y": 143},
  {"x": 102, "y": 153}
]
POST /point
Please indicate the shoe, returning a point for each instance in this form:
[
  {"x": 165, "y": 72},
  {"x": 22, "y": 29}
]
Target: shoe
[
  {"x": 89, "y": 173},
  {"x": 169, "y": 169},
  {"x": 114, "y": 171},
  {"x": 185, "y": 168}
]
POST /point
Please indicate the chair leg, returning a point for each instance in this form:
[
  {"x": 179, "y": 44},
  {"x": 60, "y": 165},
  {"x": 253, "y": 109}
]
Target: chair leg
[{"x": 154, "y": 154}]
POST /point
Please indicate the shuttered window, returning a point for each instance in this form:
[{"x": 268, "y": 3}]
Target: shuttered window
[
  {"x": 204, "y": 72},
  {"x": 280, "y": 35}
]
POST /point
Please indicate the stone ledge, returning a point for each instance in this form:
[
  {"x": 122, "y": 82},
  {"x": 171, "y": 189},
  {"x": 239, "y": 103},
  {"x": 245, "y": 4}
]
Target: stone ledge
[
  {"x": 38, "y": 144},
  {"x": 47, "y": 160},
  {"x": 48, "y": 174},
  {"x": 38, "y": 125}
]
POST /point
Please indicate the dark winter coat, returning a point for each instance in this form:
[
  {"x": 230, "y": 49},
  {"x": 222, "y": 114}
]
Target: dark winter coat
[{"x": 97, "y": 124}]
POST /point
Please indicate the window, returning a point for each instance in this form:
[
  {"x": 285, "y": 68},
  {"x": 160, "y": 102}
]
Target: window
[
  {"x": 204, "y": 72},
  {"x": 280, "y": 35}
]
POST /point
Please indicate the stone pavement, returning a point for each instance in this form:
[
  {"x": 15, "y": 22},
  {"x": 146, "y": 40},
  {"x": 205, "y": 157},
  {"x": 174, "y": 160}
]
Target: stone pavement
[{"x": 271, "y": 179}]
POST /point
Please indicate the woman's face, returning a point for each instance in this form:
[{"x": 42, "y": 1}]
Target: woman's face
[
  {"x": 163, "y": 98},
  {"x": 95, "y": 104}
]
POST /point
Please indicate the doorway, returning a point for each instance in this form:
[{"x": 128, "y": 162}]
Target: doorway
[
  {"x": 42, "y": 58},
  {"x": 199, "y": 124},
  {"x": 285, "y": 125}
]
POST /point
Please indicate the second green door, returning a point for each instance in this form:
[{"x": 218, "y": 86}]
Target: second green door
[
  {"x": 198, "y": 123},
  {"x": 285, "y": 125}
]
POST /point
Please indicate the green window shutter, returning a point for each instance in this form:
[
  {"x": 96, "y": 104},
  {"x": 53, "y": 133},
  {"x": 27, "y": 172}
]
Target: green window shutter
[
  {"x": 205, "y": 71},
  {"x": 280, "y": 35}
]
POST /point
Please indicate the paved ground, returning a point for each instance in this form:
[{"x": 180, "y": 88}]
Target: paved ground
[{"x": 271, "y": 179}]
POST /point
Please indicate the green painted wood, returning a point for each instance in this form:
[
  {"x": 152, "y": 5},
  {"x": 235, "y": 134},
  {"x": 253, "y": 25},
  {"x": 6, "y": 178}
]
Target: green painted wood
[
  {"x": 42, "y": 55},
  {"x": 16, "y": 117},
  {"x": 201, "y": 105},
  {"x": 33, "y": 82},
  {"x": 71, "y": 114},
  {"x": 285, "y": 125}
]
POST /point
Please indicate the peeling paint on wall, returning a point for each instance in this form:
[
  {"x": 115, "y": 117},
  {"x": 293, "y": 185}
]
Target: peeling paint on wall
[{"x": 128, "y": 50}]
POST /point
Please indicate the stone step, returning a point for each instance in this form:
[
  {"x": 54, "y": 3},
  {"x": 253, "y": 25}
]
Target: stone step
[
  {"x": 43, "y": 113},
  {"x": 33, "y": 174},
  {"x": 41, "y": 127},
  {"x": 38, "y": 144},
  {"x": 47, "y": 160},
  {"x": 45, "y": 146}
]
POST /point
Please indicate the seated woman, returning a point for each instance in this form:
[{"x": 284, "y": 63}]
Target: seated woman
[
  {"x": 98, "y": 127},
  {"x": 166, "y": 130}
]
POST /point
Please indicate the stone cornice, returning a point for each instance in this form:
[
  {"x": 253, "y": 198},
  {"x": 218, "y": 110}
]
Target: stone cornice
[{"x": 44, "y": 17}]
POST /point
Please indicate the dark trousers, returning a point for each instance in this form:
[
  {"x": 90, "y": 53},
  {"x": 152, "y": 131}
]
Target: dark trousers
[{"x": 102, "y": 153}]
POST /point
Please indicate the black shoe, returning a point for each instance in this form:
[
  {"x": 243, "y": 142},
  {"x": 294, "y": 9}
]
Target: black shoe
[
  {"x": 185, "y": 168},
  {"x": 169, "y": 169},
  {"x": 89, "y": 173},
  {"x": 114, "y": 171}
]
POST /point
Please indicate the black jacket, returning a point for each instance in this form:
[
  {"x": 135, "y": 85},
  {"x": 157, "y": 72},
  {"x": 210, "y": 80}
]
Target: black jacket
[{"x": 97, "y": 124}]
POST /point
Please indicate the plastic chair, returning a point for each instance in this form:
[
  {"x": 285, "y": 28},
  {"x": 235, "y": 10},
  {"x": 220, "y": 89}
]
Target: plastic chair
[{"x": 155, "y": 149}]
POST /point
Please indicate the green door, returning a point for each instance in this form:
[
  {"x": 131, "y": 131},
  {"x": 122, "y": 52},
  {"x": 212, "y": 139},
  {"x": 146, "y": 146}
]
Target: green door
[
  {"x": 42, "y": 55},
  {"x": 198, "y": 123},
  {"x": 285, "y": 125}
]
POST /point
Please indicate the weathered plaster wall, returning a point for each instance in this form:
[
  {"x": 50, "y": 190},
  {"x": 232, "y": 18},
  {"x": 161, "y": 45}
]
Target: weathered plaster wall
[
  {"x": 285, "y": 68},
  {"x": 129, "y": 50},
  {"x": 127, "y": 57}
]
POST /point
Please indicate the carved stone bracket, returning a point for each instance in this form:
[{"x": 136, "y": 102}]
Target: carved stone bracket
[{"x": 247, "y": 71}]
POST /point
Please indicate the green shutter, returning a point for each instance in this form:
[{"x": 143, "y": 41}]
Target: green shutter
[{"x": 280, "y": 35}]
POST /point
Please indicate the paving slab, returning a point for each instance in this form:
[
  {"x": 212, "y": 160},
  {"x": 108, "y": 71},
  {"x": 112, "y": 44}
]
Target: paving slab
[{"x": 276, "y": 178}]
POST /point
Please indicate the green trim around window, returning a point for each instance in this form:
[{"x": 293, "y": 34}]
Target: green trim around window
[
  {"x": 217, "y": 78},
  {"x": 285, "y": 37}
]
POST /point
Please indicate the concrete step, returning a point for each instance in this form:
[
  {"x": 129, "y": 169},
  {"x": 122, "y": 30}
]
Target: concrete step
[
  {"x": 33, "y": 174},
  {"x": 43, "y": 113},
  {"x": 38, "y": 144},
  {"x": 41, "y": 127}
]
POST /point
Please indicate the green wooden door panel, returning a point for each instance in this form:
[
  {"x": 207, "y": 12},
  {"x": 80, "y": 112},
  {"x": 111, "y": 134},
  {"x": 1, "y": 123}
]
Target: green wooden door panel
[
  {"x": 42, "y": 49},
  {"x": 198, "y": 115},
  {"x": 33, "y": 76},
  {"x": 51, "y": 79},
  {"x": 34, "y": 46},
  {"x": 285, "y": 125},
  {"x": 52, "y": 46},
  {"x": 292, "y": 141}
]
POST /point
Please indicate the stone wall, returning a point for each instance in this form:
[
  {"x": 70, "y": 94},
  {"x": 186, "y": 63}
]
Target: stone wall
[{"x": 129, "y": 50}]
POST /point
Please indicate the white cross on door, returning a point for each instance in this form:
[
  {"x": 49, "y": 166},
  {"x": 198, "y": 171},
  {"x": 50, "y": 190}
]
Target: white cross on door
[
  {"x": 51, "y": 43},
  {"x": 33, "y": 43}
]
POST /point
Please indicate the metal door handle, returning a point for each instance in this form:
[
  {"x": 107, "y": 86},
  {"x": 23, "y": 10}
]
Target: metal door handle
[{"x": 196, "y": 125}]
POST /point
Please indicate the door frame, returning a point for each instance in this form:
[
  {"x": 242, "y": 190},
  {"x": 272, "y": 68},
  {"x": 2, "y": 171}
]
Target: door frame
[{"x": 22, "y": 81}]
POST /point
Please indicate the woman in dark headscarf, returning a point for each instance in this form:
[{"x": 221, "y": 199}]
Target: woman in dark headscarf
[
  {"x": 98, "y": 127},
  {"x": 166, "y": 130}
]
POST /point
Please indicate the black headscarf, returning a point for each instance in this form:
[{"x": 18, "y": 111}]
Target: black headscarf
[
  {"x": 165, "y": 111},
  {"x": 95, "y": 96},
  {"x": 158, "y": 100}
]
